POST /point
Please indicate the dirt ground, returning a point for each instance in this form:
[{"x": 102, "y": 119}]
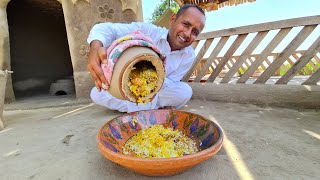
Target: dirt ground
[{"x": 56, "y": 140}]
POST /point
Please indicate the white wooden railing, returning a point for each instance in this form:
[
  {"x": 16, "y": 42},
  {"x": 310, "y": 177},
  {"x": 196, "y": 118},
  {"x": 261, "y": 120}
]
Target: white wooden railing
[{"x": 290, "y": 61}]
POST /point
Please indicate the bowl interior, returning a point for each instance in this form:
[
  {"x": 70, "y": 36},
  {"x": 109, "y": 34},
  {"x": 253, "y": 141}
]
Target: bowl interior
[{"x": 114, "y": 134}]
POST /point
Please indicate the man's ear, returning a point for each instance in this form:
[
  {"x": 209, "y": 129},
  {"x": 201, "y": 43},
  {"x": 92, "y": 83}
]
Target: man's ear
[{"x": 172, "y": 19}]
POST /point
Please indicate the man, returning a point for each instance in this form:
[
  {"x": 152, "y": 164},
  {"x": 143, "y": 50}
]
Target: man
[{"x": 174, "y": 43}]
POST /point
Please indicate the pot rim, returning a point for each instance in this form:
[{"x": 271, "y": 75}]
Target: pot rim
[{"x": 203, "y": 153}]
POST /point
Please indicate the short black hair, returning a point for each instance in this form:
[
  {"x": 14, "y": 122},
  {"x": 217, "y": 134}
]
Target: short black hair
[{"x": 185, "y": 7}]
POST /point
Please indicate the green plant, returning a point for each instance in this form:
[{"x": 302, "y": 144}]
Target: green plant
[
  {"x": 159, "y": 9},
  {"x": 284, "y": 68}
]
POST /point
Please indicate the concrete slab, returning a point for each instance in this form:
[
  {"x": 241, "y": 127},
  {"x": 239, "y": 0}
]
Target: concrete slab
[
  {"x": 45, "y": 101},
  {"x": 261, "y": 143}
]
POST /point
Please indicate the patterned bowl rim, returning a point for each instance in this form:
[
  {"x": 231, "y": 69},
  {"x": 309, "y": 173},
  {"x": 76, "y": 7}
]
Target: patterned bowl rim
[{"x": 206, "y": 152}]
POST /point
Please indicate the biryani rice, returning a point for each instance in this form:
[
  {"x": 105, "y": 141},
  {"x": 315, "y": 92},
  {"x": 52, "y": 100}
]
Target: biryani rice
[
  {"x": 159, "y": 142},
  {"x": 142, "y": 81}
]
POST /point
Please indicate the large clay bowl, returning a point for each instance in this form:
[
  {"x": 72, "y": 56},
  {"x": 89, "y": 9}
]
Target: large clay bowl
[{"x": 114, "y": 134}]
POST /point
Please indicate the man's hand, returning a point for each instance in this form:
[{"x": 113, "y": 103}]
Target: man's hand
[{"x": 97, "y": 54}]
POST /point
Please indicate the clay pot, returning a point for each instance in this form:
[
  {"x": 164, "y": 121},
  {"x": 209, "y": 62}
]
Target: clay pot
[
  {"x": 3, "y": 80},
  {"x": 115, "y": 133},
  {"x": 129, "y": 58}
]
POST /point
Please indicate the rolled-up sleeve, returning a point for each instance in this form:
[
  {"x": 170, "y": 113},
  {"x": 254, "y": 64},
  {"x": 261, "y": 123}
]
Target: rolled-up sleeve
[
  {"x": 103, "y": 32},
  {"x": 108, "y": 32}
]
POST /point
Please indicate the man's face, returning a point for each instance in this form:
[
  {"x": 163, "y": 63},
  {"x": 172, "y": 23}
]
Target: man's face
[{"x": 185, "y": 29}]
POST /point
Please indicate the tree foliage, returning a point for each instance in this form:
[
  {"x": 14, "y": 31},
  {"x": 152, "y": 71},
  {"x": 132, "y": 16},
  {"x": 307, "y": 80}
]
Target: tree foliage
[{"x": 159, "y": 9}]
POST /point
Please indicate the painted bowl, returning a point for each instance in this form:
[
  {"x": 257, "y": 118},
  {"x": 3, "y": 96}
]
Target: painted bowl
[{"x": 114, "y": 134}]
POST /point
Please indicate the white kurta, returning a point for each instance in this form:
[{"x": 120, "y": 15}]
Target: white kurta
[{"x": 173, "y": 92}]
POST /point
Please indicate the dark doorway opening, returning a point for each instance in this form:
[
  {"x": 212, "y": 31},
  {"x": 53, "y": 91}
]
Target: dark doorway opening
[
  {"x": 38, "y": 46},
  {"x": 60, "y": 93}
]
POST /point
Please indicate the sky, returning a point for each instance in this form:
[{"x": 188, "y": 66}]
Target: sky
[{"x": 260, "y": 11}]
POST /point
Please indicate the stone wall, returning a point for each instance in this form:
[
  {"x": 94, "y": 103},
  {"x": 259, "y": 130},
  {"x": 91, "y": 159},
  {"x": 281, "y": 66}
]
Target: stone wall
[
  {"x": 88, "y": 13},
  {"x": 292, "y": 96},
  {"x": 3, "y": 80},
  {"x": 5, "y": 49},
  {"x": 79, "y": 17}
]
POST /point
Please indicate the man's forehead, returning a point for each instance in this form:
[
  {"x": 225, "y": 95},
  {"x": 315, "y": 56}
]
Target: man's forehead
[
  {"x": 193, "y": 16},
  {"x": 192, "y": 10}
]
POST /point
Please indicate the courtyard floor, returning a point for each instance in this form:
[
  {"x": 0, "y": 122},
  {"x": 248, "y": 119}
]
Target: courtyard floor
[{"x": 54, "y": 138}]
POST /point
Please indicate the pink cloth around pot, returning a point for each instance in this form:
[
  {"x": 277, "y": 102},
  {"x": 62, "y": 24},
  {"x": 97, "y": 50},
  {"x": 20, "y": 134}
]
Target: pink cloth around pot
[{"x": 118, "y": 46}]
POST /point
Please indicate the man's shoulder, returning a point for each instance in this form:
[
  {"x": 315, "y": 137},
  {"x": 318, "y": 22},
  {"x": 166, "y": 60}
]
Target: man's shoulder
[
  {"x": 149, "y": 25},
  {"x": 189, "y": 50},
  {"x": 155, "y": 32}
]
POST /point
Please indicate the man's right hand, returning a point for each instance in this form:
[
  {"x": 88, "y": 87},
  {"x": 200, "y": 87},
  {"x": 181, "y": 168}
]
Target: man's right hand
[{"x": 97, "y": 54}]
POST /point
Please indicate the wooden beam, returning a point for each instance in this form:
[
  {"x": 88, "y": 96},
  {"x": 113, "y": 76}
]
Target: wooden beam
[
  {"x": 313, "y": 65},
  {"x": 317, "y": 58},
  {"x": 312, "y": 80},
  {"x": 289, "y": 23},
  {"x": 292, "y": 63},
  {"x": 284, "y": 55},
  {"x": 200, "y": 55},
  {"x": 296, "y": 58},
  {"x": 195, "y": 44},
  {"x": 179, "y": 2},
  {"x": 304, "y": 59},
  {"x": 235, "y": 45},
  {"x": 211, "y": 58},
  {"x": 253, "y": 44},
  {"x": 264, "y": 54}
]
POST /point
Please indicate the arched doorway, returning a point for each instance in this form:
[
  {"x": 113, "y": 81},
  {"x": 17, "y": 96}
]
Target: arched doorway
[{"x": 38, "y": 46}]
